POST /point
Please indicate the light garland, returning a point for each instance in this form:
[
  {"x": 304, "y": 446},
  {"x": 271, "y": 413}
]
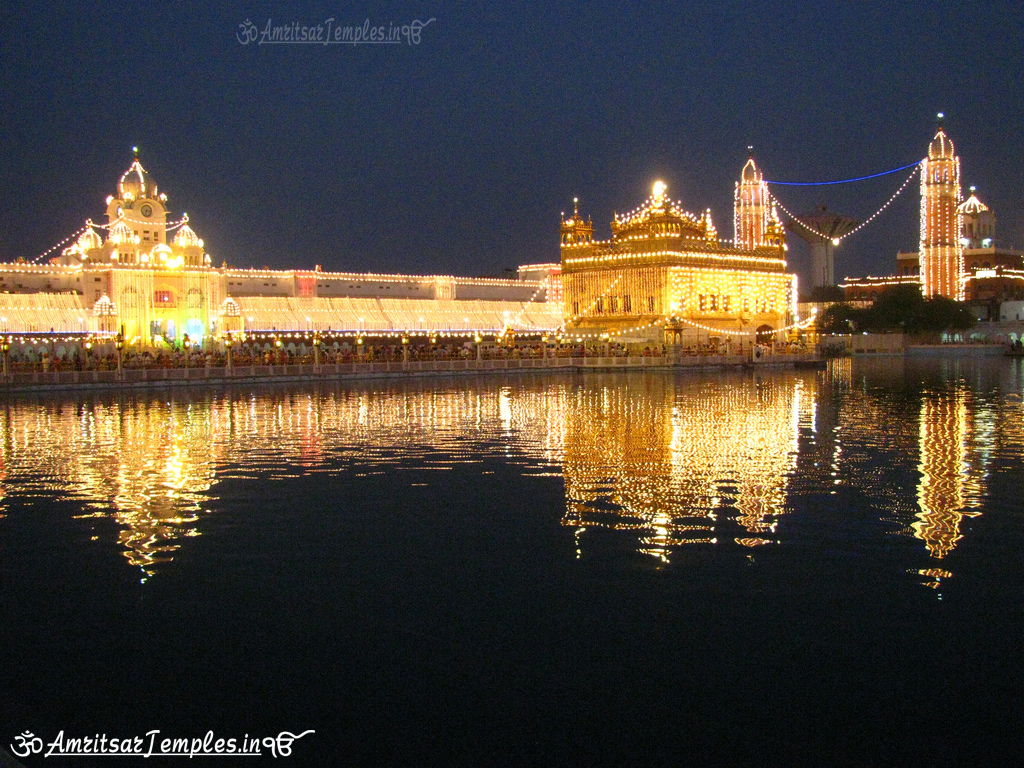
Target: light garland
[
  {"x": 522, "y": 311},
  {"x": 999, "y": 276},
  {"x": 90, "y": 224},
  {"x": 879, "y": 282},
  {"x": 168, "y": 226},
  {"x": 872, "y": 217},
  {"x": 739, "y": 260},
  {"x": 70, "y": 237},
  {"x": 369, "y": 277},
  {"x": 593, "y": 304},
  {"x": 801, "y": 324}
]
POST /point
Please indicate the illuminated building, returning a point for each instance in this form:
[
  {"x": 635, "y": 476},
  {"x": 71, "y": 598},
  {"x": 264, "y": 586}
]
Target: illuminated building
[
  {"x": 160, "y": 285},
  {"x": 991, "y": 272},
  {"x": 751, "y": 208},
  {"x": 153, "y": 279},
  {"x": 957, "y": 256},
  {"x": 941, "y": 253},
  {"x": 939, "y": 266},
  {"x": 665, "y": 272}
]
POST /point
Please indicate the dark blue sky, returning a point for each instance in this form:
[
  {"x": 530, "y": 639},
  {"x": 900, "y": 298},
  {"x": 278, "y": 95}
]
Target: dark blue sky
[{"x": 458, "y": 154}]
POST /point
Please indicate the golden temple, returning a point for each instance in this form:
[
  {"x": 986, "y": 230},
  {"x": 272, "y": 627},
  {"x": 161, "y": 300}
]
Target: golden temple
[{"x": 666, "y": 275}]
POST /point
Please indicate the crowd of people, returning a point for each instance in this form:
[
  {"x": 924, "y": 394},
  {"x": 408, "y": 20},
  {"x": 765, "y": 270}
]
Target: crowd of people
[{"x": 346, "y": 352}]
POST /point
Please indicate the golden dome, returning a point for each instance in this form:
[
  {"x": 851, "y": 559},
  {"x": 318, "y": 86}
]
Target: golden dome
[
  {"x": 750, "y": 172},
  {"x": 187, "y": 237},
  {"x": 136, "y": 183},
  {"x": 972, "y": 204},
  {"x": 659, "y": 216},
  {"x": 89, "y": 239},
  {"x": 122, "y": 233},
  {"x": 941, "y": 146}
]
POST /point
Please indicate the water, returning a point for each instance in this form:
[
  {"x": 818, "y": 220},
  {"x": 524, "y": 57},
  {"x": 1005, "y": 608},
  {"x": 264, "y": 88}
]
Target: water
[{"x": 790, "y": 567}]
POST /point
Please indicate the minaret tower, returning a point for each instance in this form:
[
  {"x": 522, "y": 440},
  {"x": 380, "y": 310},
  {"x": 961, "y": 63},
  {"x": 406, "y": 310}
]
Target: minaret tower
[
  {"x": 576, "y": 231},
  {"x": 752, "y": 209},
  {"x": 941, "y": 254}
]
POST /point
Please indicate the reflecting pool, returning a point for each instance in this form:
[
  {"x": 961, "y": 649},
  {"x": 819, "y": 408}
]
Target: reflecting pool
[{"x": 606, "y": 568}]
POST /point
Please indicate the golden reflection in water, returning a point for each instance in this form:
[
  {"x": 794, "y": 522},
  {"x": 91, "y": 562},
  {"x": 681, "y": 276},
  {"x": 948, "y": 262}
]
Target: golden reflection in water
[
  {"x": 150, "y": 464},
  {"x": 671, "y": 460},
  {"x": 667, "y": 461},
  {"x": 952, "y": 472}
]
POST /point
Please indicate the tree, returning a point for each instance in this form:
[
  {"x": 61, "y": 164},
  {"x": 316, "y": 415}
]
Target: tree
[
  {"x": 897, "y": 309},
  {"x": 902, "y": 309},
  {"x": 840, "y": 318},
  {"x": 942, "y": 314}
]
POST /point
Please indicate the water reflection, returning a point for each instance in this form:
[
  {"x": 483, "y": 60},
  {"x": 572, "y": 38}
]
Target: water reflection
[
  {"x": 671, "y": 460},
  {"x": 665, "y": 461},
  {"x": 952, "y": 474}
]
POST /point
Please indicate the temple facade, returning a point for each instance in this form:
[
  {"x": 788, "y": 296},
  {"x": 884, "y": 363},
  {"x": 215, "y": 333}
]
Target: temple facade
[
  {"x": 151, "y": 279},
  {"x": 665, "y": 274}
]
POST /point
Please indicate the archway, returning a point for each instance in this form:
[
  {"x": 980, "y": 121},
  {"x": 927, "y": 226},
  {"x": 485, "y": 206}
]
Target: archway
[{"x": 764, "y": 334}]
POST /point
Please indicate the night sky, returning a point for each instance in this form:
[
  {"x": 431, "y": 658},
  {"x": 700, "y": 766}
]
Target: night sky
[{"x": 457, "y": 155}]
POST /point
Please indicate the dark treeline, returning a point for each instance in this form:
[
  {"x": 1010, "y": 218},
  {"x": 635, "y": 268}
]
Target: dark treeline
[{"x": 900, "y": 309}]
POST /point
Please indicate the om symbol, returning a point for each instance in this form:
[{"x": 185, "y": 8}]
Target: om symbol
[
  {"x": 248, "y": 33},
  {"x": 28, "y": 744}
]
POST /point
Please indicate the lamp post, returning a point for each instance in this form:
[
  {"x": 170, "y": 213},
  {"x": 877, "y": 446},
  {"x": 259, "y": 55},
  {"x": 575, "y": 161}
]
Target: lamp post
[
  {"x": 479, "y": 346},
  {"x": 317, "y": 341},
  {"x": 5, "y": 347},
  {"x": 227, "y": 345},
  {"x": 359, "y": 349},
  {"x": 119, "y": 345},
  {"x": 405, "y": 349}
]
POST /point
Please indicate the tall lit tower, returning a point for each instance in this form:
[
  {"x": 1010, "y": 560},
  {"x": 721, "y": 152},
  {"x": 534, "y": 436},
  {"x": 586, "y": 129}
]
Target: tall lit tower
[
  {"x": 752, "y": 208},
  {"x": 941, "y": 253}
]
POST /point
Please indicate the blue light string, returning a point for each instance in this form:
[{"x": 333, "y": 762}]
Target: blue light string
[{"x": 844, "y": 181}]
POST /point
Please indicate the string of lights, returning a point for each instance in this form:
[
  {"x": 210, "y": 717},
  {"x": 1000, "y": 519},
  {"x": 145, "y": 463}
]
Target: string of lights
[
  {"x": 518, "y": 317},
  {"x": 593, "y": 304},
  {"x": 90, "y": 224},
  {"x": 841, "y": 181},
  {"x": 168, "y": 226},
  {"x": 872, "y": 217},
  {"x": 800, "y": 324},
  {"x": 67, "y": 239},
  {"x": 739, "y": 259}
]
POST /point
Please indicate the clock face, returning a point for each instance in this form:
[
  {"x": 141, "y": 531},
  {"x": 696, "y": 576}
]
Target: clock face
[{"x": 146, "y": 210}]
